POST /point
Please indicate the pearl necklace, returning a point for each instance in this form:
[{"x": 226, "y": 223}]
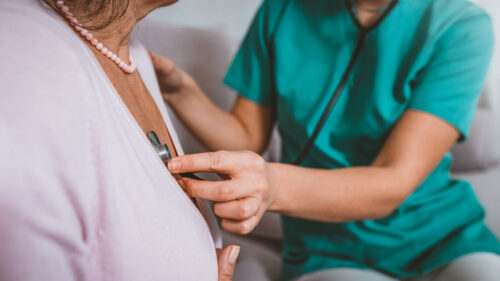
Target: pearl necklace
[{"x": 90, "y": 37}]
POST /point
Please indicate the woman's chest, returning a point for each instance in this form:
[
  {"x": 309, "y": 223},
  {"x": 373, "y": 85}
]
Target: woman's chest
[
  {"x": 142, "y": 106},
  {"x": 143, "y": 226}
]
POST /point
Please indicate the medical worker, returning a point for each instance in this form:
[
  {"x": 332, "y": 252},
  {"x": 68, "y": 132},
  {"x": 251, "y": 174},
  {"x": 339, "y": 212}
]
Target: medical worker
[{"x": 369, "y": 97}]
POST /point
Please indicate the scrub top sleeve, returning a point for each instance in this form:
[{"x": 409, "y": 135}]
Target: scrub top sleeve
[
  {"x": 251, "y": 73},
  {"x": 450, "y": 84}
]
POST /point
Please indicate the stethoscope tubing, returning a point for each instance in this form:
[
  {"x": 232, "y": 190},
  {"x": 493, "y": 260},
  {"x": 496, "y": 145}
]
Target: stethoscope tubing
[{"x": 364, "y": 31}]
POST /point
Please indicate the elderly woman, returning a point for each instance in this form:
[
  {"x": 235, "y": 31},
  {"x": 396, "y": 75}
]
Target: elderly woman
[
  {"x": 83, "y": 194},
  {"x": 369, "y": 97}
]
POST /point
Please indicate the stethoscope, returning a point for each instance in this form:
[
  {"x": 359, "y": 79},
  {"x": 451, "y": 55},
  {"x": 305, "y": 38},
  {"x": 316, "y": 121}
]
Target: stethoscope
[
  {"x": 164, "y": 152},
  {"x": 364, "y": 31}
]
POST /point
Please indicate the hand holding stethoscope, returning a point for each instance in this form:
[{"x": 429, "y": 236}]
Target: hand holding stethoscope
[
  {"x": 242, "y": 199},
  {"x": 246, "y": 193}
]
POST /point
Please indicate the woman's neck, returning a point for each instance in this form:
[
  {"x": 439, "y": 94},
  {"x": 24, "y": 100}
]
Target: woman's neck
[{"x": 115, "y": 35}]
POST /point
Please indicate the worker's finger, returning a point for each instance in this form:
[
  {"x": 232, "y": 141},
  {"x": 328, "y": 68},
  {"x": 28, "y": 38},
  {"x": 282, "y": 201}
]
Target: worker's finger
[
  {"x": 219, "y": 191},
  {"x": 237, "y": 209},
  {"x": 240, "y": 227},
  {"x": 219, "y": 162}
]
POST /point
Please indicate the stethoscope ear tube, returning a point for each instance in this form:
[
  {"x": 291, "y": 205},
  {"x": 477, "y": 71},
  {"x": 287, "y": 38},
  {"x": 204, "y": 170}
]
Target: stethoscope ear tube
[
  {"x": 331, "y": 104},
  {"x": 364, "y": 31}
]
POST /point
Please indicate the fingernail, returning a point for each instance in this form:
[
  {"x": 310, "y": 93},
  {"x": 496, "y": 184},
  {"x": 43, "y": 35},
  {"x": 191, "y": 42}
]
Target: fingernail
[
  {"x": 233, "y": 254},
  {"x": 174, "y": 165}
]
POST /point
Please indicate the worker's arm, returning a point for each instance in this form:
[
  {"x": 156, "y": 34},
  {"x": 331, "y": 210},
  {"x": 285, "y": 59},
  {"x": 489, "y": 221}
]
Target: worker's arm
[
  {"x": 247, "y": 127},
  {"x": 415, "y": 146}
]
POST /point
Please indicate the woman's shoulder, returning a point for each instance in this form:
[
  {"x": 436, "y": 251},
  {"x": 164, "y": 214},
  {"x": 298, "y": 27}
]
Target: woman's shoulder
[
  {"x": 33, "y": 27},
  {"x": 45, "y": 91},
  {"x": 40, "y": 62},
  {"x": 35, "y": 45}
]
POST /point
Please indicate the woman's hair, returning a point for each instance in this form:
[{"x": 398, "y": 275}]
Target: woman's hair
[{"x": 108, "y": 10}]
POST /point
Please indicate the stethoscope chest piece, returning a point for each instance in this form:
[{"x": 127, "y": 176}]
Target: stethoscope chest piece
[
  {"x": 165, "y": 154},
  {"x": 160, "y": 148}
]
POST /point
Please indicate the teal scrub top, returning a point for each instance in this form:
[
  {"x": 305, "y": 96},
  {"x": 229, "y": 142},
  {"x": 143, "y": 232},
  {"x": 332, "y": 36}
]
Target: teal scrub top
[{"x": 427, "y": 55}]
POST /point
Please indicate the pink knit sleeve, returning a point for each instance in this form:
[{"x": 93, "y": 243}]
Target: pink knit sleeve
[
  {"x": 40, "y": 235},
  {"x": 43, "y": 182}
]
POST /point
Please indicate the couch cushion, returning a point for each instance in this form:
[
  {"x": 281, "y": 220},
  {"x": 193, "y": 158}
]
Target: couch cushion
[
  {"x": 487, "y": 188},
  {"x": 269, "y": 227},
  {"x": 475, "y": 153},
  {"x": 257, "y": 260}
]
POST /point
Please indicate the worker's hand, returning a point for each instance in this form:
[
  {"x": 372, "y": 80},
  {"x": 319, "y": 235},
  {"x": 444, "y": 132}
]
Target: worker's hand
[
  {"x": 227, "y": 261},
  {"x": 172, "y": 80},
  {"x": 240, "y": 200}
]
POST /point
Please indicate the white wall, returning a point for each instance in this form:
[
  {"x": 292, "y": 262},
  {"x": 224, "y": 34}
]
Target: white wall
[{"x": 234, "y": 15}]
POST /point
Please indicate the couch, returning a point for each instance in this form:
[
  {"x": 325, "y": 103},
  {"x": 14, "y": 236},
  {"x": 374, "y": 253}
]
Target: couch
[{"x": 206, "y": 53}]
